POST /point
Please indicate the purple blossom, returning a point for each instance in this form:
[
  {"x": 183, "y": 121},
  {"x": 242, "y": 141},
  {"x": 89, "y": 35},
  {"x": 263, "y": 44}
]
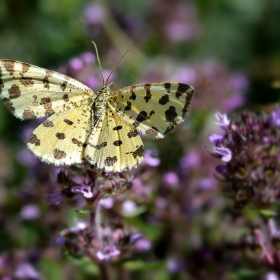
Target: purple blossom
[
  {"x": 106, "y": 74},
  {"x": 83, "y": 189},
  {"x": 30, "y": 212},
  {"x": 143, "y": 245},
  {"x": 224, "y": 152},
  {"x": 171, "y": 179},
  {"x": 175, "y": 264},
  {"x": 207, "y": 183},
  {"x": 275, "y": 118},
  {"x": 88, "y": 57},
  {"x": 129, "y": 206},
  {"x": 222, "y": 169},
  {"x": 94, "y": 14},
  {"x": 223, "y": 120},
  {"x": 187, "y": 74},
  {"x": 92, "y": 82},
  {"x": 232, "y": 102},
  {"x": 55, "y": 198},
  {"x": 215, "y": 138},
  {"x": 181, "y": 31},
  {"x": 151, "y": 158},
  {"x": 107, "y": 202},
  {"x": 79, "y": 225},
  {"x": 107, "y": 252},
  {"x": 76, "y": 64},
  {"x": 192, "y": 159},
  {"x": 27, "y": 271}
]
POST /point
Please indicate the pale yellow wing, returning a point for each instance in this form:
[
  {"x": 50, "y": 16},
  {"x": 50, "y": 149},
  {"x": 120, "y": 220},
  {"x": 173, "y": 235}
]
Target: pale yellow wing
[
  {"x": 113, "y": 145},
  {"x": 61, "y": 138},
  {"x": 31, "y": 92},
  {"x": 154, "y": 109}
]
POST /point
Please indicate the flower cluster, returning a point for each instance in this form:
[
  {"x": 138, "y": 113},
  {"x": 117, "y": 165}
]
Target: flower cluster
[{"x": 250, "y": 151}]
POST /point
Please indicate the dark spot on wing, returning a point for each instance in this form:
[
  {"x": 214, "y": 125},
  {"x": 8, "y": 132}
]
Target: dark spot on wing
[
  {"x": 164, "y": 99},
  {"x": 26, "y": 81},
  {"x": 133, "y": 95},
  {"x": 167, "y": 87},
  {"x": 128, "y": 106},
  {"x": 68, "y": 121},
  {"x": 60, "y": 136},
  {"x": 148, "y": 96},
  {"x": 65, "y": 97},
  {"x": 171, "y": 114},
  {"x": 132, "y": 133},
  {"x": 14, "y": 91},
  {"x": 8, "y": 104},
  {"x": 25, "y": 67},
  {"x": 9, "y": 65},
  {"x": 117, "y": 127},
  {"x": 34, "y": 140},
  {"x": 45, "y": 100},
  {"x": 77, "y": 142},
  {"x": 48, "y": 123},
  {"x": 142, "y": 116},
  {"x": 58, "y": 154},
  {"x": 102, "y": 145},
  {"x": 28, "y": 114},
  {"x": 139, "y": 152},
  {"x": 182, "y": 88},
  {"x": 109, "y": 161},
  {"x": 117, "y": 142}
]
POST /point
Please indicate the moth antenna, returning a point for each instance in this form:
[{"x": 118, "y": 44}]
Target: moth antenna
[
  {"x": 114, "y": 68},
  {"x": 100, "y": 67}
]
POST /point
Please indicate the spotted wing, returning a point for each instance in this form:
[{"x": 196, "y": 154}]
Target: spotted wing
[
  {"x": 31, "y": 92},
  {"x": 61, "y": 138},
  {"x": 154, "y": 109},
  {"x": 114, "y": 145}
]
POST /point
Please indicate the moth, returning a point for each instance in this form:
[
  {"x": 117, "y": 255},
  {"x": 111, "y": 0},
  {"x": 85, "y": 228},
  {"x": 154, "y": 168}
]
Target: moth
[{"x": 101, "y": 128}]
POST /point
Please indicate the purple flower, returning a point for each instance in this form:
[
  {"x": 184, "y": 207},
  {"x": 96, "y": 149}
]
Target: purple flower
[
  {"x": 27, "y": 271},
  {"x": 88, "y": 57},
  {"x": 94, "y": 14},
  {"x": 222, "y": 169},
  {"x": 107, "y": 252},
  {"x": 232, "y": 102},
  {"x": 275, "y": 118},
  {"x": 30, "y": 212},
  {"x": 92, "y": 82},
  {"x": 224, "y": 152},
  {"x": 83, "y": 189},
  {"x": 107, "y": 202},
  {"x": 223, "y": 120},
  {"x": 55, "y": 198},
  {"x": 175, "y": 264},
  {"x": 170, "y": 179},
  {"x": 106, "y": 74},
  {"x": 79, "y": 225},
  {"x": 186, "y": 74},
  {"x": 143, "y": 244},
  {"x": 207, "y": 183},
  {"x": 76, "y": 64},
  {"x": 129, "y": 206},
  {"x": 192, "y": 159},
  {"x": 181, "y": 31},
  {"x": 151, "y": 158},
  {"x": 215, "y": 138}
]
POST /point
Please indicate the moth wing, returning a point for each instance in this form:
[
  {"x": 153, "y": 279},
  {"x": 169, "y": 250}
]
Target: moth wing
[
  {"x": 32, "y": 92},
  {"x": 60, "y": 139},
  {"x": 113, "y": 145},
  {"x": 154, "y": 109}
]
